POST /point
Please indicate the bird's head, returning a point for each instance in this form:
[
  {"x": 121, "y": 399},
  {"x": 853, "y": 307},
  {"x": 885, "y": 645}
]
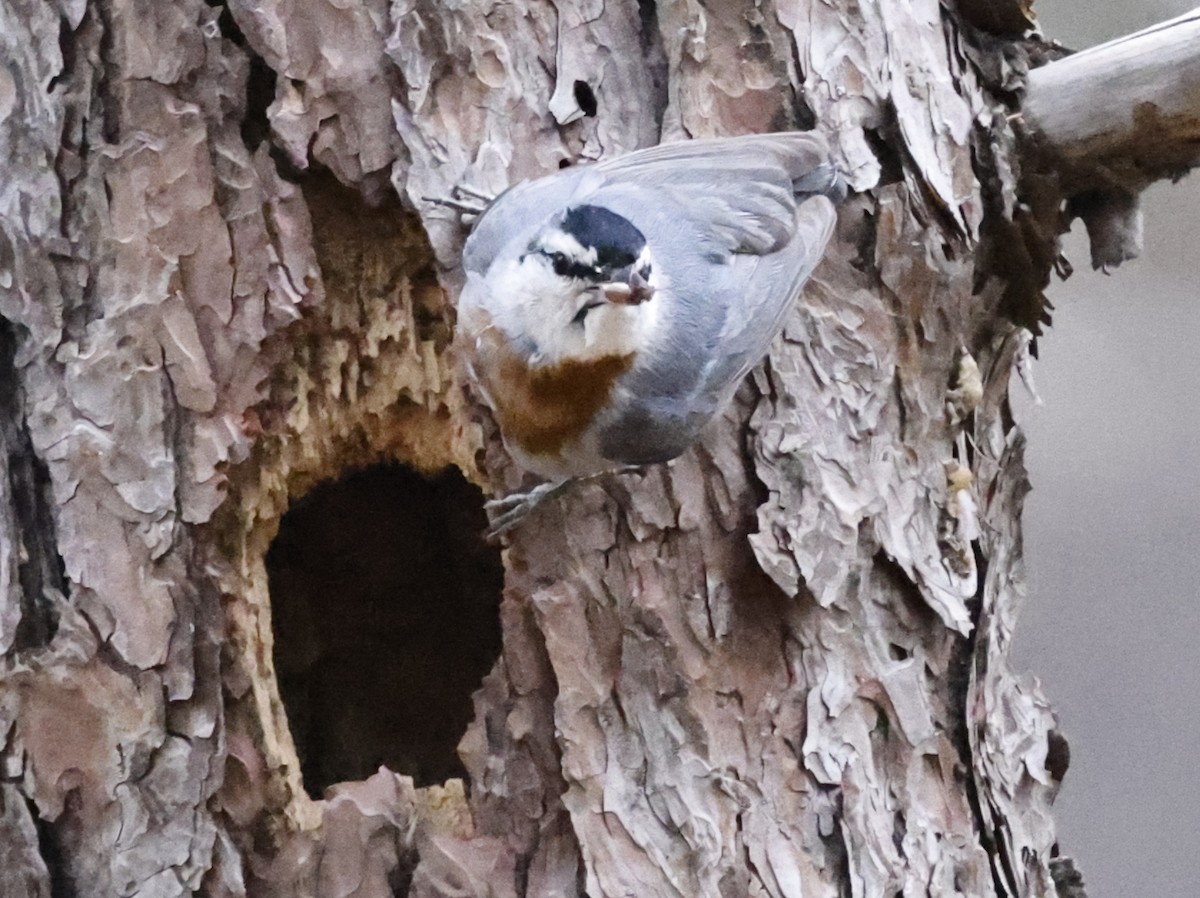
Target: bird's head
[{"x": 583, "y": 287}]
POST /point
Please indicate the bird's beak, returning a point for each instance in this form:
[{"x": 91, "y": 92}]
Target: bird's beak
[{"x": 634, "y": 291}]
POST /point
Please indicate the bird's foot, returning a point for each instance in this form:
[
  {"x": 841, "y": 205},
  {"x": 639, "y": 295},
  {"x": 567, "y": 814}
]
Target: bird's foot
[
  {"x": 508, "y": 511},
  {"x": 466, "y": 201}
]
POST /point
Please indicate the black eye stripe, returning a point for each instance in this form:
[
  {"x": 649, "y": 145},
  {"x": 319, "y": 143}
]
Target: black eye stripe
[{"x": 565, "y": 267}]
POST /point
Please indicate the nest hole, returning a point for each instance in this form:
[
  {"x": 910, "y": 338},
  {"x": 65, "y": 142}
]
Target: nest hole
[{"x": 385, "y": 609}]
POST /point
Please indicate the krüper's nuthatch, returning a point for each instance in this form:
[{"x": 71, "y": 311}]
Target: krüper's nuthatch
[{"x": 611, "y": 310}]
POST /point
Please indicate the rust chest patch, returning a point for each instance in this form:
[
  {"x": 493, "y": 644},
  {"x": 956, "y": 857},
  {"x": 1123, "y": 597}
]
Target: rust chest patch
[{"x": 543, "y": 409}]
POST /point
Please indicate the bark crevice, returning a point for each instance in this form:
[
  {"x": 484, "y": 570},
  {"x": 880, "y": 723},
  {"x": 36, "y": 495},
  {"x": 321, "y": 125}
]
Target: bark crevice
[
  {"x": 654, "y": 58},
  {"x": 51, "y": 851},
  {"x": 40, "y": 573}
]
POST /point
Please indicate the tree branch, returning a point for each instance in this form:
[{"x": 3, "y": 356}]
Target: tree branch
[
  {"x": 1124, "y": 113},
  {"x": 1114, "y": 119}
]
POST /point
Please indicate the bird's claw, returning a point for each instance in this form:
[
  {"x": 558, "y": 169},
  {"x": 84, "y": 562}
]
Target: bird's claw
[
  {"x": 473, "y": 193},
  {"x": 508, "y": 511},
  {"x": 466, "y": 201},
  {"x": 528, "y": 499}
]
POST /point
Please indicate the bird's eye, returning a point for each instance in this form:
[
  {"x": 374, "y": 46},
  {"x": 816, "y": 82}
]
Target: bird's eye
[{"x": 560, "y": 263}]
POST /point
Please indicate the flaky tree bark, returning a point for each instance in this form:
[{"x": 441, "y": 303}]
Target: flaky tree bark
[{"x": 777, "y": 666}]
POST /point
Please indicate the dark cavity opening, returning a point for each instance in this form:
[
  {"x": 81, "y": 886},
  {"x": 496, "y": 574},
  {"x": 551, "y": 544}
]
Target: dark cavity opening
[
  {"x": 586, "y": 98},
  {"x": 385, "y": 610}
]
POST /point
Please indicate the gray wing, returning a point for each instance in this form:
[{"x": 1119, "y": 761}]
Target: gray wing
[
  {"x": 744, "y": 189},
  {"x": 772, "y": 284}
]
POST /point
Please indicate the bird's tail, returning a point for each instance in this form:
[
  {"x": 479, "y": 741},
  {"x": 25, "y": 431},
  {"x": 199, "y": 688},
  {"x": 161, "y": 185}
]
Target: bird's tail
[{"x": 824, "y": 180}]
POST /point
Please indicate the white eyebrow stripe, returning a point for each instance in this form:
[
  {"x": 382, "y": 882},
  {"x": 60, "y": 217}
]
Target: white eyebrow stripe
[{"x": 561, "y": 242}]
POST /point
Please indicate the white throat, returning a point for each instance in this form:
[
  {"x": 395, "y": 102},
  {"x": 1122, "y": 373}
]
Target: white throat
[{"x": 545, "y": 308}]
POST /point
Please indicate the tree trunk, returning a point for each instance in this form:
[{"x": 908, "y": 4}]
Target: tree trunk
[{"x": 777, "y": 666}]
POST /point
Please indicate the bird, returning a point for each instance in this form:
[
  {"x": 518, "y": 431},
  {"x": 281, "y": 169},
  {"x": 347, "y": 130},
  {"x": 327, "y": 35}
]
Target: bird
[{"x": 609, "y": 311}]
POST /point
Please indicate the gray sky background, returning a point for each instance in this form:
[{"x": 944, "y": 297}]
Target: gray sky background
[{"x": 1113, "y": 530}]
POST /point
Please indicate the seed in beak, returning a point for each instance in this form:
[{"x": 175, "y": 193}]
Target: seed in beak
[{"x": 633, "y": 293}]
